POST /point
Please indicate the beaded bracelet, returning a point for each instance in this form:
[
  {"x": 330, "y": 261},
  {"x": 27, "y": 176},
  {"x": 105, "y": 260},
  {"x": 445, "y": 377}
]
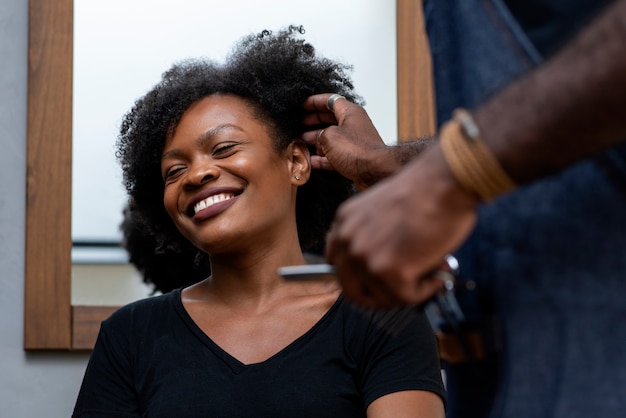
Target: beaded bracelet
[{"x": 471, "y": 162}]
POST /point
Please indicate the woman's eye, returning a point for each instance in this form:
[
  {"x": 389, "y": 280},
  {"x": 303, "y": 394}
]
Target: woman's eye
[
  {"x": 172, "y": 173},
  {"x": 223, "y": 149}
]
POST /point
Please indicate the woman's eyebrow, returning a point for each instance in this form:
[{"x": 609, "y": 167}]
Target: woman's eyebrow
[
  {"x": 202, "y": 139},
  {"x": 209, "y": 134}
]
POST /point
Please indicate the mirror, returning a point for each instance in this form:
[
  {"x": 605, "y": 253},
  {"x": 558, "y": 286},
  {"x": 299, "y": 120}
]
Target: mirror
[
  {"x": 117, "y": 57},
  {"x": 112, "y": 68},
  {"x": 51, "y": 321}
]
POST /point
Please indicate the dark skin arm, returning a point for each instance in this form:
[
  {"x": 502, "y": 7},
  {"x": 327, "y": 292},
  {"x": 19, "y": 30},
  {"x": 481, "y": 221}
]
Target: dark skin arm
[
  {"x": 385, "y": 241},
  {"x": 570, "y": 108},
  {"x": 351, "y": 144}
]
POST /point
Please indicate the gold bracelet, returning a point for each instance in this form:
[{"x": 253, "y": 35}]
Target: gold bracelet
[{"x": 471, "y": 162}]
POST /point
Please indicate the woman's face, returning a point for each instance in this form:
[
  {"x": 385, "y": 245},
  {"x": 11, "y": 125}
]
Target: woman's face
[{"x": 226, "y": 187}]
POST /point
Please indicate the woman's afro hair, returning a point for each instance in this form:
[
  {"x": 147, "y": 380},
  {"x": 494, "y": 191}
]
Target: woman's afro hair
[
  {"x": 162, "y": 269},
  {"x": 275, "y": 73}
]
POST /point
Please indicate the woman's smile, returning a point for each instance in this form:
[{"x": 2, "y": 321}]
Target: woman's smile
[
  {"x": 212, "y": 206},
  {"x": 211, "y": 200}
]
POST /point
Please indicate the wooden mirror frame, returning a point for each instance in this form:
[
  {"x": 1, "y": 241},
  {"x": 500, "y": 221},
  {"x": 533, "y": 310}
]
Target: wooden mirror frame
[{"x": 50, "y": 320}]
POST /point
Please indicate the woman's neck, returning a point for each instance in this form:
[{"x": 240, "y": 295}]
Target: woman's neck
[{"x": 252, "y": 274}]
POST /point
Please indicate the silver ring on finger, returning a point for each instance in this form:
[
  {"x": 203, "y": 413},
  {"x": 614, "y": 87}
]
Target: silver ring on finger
[
  {"x": 330, "y": 104},
  {"x": 319, "y": 135}
]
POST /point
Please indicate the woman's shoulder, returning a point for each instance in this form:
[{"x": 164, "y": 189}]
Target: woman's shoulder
[{"x": 149, "y": 309}]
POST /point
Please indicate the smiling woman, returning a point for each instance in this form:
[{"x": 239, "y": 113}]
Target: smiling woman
[
  {"x": 50, "y": 321},
  {"x": 213, "y": 155}
]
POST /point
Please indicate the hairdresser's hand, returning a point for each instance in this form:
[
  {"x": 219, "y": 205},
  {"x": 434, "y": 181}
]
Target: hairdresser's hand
[
  {"x": 387, "y": 241},
  {"x": 349, "y": 143}
]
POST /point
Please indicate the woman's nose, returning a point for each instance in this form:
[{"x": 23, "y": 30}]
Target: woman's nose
[{"x": 200, "y": 174}]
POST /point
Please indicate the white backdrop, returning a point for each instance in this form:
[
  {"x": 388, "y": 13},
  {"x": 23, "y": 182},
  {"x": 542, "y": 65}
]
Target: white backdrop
[{"x": 121, "y": 47}]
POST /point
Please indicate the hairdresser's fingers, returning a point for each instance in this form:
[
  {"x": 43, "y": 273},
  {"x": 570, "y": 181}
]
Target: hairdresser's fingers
[
  {"x": 316, "y": 119},
  {"x": 365, "y": 291},
  {"x": 356, "y": 290},
  {"x": 317, "y": 138},
  {"x": 326, "y": 108},
  {"x": 314, "y": 138},
  {"x": 366, "y": 288},
  {"x": 324, "y": 102},
  {"x": 321, "y": 163}
]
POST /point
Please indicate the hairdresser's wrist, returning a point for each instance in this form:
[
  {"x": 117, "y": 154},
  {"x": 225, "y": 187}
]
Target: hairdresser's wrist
[
  {"x": 386, "y": 161},
  {"x": 374, "y": 166},
  {"x": 501, "y": 136},
  {"x": 470, "y": 159},
  {"x": 444, "y": 185}
]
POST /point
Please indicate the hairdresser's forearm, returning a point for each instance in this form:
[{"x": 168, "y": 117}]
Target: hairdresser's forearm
[
  {"x": 387, "y": 161},
  {"x": 571, "y": 107}
]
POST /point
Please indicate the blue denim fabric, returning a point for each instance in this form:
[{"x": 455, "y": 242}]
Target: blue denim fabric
[
  {"x": 550, "y": 23},
  {"x": 549, "y": 259}
]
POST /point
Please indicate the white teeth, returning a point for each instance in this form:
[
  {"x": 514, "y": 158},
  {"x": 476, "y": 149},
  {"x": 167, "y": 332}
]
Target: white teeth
[{"x": 211, "y": 200}]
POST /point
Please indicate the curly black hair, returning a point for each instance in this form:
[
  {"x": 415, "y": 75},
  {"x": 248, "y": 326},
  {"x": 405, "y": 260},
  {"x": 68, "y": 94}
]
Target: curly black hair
[
  {"x": 275, "y": 73},
  {"x": 164, "y": 270}
]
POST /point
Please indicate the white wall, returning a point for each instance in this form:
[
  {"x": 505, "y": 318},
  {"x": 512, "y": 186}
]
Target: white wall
[
  {"x": 32, "y": 385},
  {"x": 120, "y": 56}
]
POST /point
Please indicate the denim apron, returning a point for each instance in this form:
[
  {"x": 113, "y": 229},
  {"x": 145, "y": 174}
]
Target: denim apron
[{"x": 548, "y": 261}]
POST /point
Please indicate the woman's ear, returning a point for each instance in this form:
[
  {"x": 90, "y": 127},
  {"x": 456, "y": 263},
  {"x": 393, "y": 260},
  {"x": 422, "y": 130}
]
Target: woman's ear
[{"x": 300, "y": 162}]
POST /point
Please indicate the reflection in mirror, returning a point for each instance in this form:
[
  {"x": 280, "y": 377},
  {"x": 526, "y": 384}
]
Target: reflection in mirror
[{"x": 355, "y": 33}]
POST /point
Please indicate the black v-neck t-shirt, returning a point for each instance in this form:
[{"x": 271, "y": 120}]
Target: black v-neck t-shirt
[{"x": 152, "y": 360}]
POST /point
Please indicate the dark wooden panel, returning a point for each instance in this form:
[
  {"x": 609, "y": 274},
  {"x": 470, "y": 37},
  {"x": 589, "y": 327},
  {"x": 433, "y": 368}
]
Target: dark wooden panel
[
  {"x": 86, "y": 324},
  {"x": 47, "y": 315}
]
